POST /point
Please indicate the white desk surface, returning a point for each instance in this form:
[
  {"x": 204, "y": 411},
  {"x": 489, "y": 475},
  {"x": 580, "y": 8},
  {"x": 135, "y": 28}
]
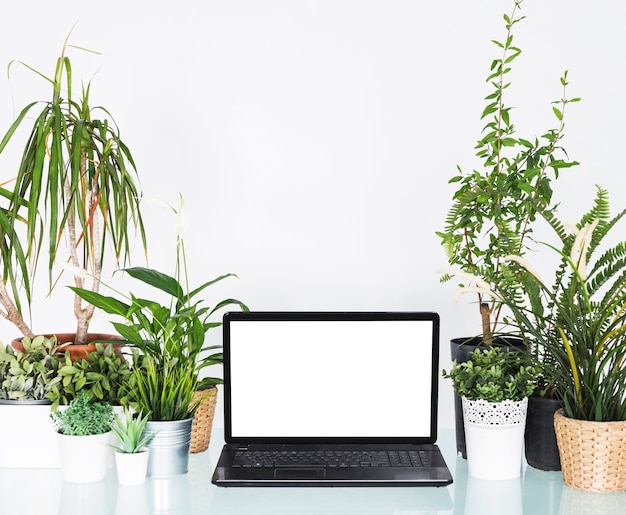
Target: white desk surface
[{"x": 43, "y": 492}]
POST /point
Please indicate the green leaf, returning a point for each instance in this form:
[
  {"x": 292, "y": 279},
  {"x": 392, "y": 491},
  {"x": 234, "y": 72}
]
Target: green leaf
[{"x": 108, "y": 304}]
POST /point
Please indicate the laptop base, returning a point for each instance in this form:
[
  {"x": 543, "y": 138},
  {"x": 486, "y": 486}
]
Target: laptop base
[{"x": 436, "y": 473}]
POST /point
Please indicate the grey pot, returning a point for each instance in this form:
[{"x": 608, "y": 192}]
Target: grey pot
[{"x": 169, "y": 449}]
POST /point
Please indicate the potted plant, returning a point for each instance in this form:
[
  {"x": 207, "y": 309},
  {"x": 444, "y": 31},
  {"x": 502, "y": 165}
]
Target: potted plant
[
  {"x": 579, "y": 324},
  {"x": 131, "y": 453},
  {"x": 494, "y": 206},
  {"x": 100, "y": 375},
  {"x": 84, "y": 431},
  {"x": 494, "y": 386},
  {"x": 163, "y": 387},
  {"x": 74, "y": 199},
  {"x": 172, "y": 330},
  {"x": 26, "y": 380}
]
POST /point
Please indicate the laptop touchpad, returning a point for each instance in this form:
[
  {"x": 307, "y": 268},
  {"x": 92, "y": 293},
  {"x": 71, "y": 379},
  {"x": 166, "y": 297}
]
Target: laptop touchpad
[{"x": 299, "y": 473}]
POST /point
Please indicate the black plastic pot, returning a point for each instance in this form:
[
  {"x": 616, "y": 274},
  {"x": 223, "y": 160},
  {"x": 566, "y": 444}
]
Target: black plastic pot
[
  {"x": 460, "y": 350},
  {"x": 542, "y": 451}
]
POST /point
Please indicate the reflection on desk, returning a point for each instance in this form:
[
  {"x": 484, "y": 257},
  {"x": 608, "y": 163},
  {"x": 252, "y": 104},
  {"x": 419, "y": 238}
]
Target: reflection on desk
[{"x": 42, "y": 492}]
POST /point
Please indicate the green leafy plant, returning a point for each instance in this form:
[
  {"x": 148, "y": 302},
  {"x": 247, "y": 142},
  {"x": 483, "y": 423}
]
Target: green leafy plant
[
  {"x": 162, "y": 387},
  {"x": 130, "y": 431},
  {"x": 494, "y": 207},
  {"x": 494, "y": 375},
  {"x": 101, "y": 376},
  {"x": 82, "y": 417},
  {"x": 31, "y": 374},
  {"x": 577, "y": 324},
  {"x": 173, "y": 330},
  {"x": 76, "y": 184}
]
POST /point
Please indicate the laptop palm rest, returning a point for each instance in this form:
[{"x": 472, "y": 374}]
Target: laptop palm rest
[{"x": 300, "y": 473}]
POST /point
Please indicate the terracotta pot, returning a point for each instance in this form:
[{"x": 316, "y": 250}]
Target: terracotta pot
[{"x": 78, "y": 351}]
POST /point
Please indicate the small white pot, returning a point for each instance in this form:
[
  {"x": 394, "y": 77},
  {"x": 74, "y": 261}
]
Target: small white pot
[
  {"x": 132, "y": 467},
  {"x": 84, "y": 458},
  {"x": 494, "y": 434}
]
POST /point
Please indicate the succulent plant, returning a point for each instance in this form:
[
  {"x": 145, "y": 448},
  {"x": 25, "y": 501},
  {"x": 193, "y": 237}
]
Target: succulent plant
[{"x": 30, "y": 374}]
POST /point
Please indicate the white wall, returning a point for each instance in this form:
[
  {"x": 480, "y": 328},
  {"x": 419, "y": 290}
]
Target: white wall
[{"x": 313, "y": 139}]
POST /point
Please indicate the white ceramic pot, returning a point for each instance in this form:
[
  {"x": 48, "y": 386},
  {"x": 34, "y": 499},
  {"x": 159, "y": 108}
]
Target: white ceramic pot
[
  {"x": 494, "y": 435},
  {"x": 84, "y": 458},
  {"x": 33, "y": 439},
  {"x": 132, "y": 467}
]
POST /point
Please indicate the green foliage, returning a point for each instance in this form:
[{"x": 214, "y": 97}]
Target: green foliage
[
  {"x": 32, "y": 374},
  {"x": 494, "y": 375},
  {"x": 172, "y": 330},
  {"x": 161, "y": 387},
  {"x": 76, "y": 184},
  {"x": 130, "y": 431},
  {"x": 82, "y": 417},
  {"x": 494, "y": 207},
  {"x": 578, "y": 324},
  {"x": 101, "y": 376}
]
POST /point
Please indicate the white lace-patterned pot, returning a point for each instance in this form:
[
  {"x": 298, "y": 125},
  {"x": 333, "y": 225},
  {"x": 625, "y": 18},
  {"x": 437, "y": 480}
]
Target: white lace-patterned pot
[{"x": 494, "y": 434}]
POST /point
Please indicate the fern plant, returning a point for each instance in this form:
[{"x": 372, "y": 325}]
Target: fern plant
[
  {"x": 494, "y": 207},
  {"x": 578, "y": 324}
]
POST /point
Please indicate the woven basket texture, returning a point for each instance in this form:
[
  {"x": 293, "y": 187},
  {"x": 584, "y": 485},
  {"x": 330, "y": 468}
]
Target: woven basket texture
[
  {"x": 203, "y": 420},
  {"x": 593, "y": 454}
]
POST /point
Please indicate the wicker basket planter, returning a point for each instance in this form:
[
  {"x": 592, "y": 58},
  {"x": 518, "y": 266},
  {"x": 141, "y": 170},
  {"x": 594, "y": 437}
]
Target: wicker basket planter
[
  {"x": 203, "y": 420},
  {"x": 593, "y": 454}
]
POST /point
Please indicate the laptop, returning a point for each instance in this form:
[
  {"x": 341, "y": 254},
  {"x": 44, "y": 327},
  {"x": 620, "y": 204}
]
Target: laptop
[{"x": 331, "y": 399}]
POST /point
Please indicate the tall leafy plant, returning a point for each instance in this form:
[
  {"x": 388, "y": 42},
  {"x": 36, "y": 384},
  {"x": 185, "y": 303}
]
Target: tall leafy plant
[
  {"x": 74, "y": 200},
  {"x": 577, "y": 323},
  {"x": 174, "y": 329},
  {"x": 494, "y": 207}
]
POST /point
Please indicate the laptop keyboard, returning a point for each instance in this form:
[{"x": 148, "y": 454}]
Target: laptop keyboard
[{"x": 331, "y": 459}]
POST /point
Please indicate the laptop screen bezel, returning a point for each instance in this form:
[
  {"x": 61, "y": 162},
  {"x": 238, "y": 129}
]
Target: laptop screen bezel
[{"x": 239, "y": 316}]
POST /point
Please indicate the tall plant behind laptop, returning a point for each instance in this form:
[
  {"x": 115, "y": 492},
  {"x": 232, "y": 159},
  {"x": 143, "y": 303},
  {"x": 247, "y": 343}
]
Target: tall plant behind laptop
[{"x": 494, "y": 207}]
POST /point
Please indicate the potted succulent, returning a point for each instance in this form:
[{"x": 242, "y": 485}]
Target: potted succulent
[
  {"x": 27, "y": 378},
  {"x": 494, "y": 206},
  {"x": 131, "y": 453},
  {"x": 84, "y": 431},
  {"x": 579, "y": 325},
  {"x": 494, "y": 386},
  {"x": 75, "y": 198}
]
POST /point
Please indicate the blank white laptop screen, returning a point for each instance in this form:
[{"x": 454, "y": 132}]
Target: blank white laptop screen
[{"x": 331, "y": 378}]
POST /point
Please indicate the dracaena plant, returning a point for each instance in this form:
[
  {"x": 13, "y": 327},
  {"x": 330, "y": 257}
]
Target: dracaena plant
[
  {"x": 75, "y": 197},
  {"x": 576, "y": 321},
  {"x": 495, "y": 206}
]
